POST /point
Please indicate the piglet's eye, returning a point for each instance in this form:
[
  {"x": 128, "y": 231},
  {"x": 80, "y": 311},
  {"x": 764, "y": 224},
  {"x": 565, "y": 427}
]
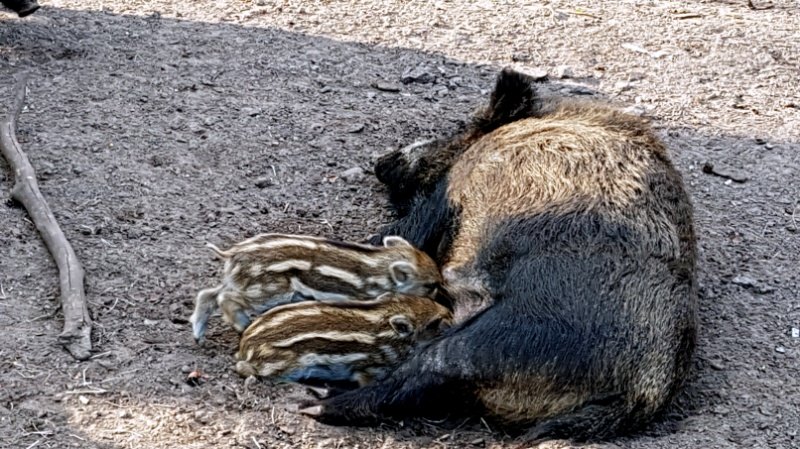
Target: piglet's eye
[{"x": 402, "y": 325}]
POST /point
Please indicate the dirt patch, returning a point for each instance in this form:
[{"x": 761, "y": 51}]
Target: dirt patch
[{"x": 156, "y": 126}]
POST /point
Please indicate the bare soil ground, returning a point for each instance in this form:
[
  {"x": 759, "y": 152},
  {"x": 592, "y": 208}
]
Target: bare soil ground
[{"x": 156, "y": 126}]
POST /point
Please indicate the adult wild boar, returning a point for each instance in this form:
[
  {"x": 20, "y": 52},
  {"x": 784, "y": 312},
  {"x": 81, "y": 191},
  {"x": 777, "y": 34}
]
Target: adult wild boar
[{"x": 566, "y": 240}]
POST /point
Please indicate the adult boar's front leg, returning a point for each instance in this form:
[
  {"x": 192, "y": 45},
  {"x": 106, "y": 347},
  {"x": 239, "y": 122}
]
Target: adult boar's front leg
[{"x": 427, "y": 225}]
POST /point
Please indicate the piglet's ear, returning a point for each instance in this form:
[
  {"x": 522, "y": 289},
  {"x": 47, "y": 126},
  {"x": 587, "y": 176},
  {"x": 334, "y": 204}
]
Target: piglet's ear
[
  {"x": 402, "y": 325},
  {"x": 394, "y": 240},
  {"x": 402, "y": 273}
]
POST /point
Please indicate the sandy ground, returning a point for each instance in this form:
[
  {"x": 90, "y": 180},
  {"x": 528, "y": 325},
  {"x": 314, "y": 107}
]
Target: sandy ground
[{"x": 157, "y": 126}]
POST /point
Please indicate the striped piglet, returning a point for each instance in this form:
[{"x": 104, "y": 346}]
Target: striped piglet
[
  {"x": 273, "y": 269},
  {"x": 347, "y": 342}
]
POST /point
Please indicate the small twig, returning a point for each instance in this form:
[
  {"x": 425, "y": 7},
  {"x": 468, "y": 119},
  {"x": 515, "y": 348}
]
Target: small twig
[
  {"x": 34, "y": 444},
  {"x": 46, "y": 315},
  {"x": 76, "y": 336},
  {"x": 486, "y": 425},
  {"x": 579, "y": 12},
  {"x": 2, "y": 292},
  {"x": 41, "y": 433},
  {"x": 708, "y": 168},
  {"x": 256, "y": 441},
  {"x": 102, "y": 354},
  {"x": 97, "y": 391}
]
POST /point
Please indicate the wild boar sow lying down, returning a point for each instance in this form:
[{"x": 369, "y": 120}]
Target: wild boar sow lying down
[
  {"x": 567, "y": 244},
  {"x": 273, "y": 269},
  {"x": 345, "y": 342}
]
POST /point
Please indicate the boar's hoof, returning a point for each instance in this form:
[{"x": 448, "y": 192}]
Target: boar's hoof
[
  {"x": 313, "y": 411},
  {"x": 319, "y": 393}
]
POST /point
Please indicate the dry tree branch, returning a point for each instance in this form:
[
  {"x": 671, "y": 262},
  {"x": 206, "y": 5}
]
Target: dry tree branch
[{"x": 76, "y": 336}]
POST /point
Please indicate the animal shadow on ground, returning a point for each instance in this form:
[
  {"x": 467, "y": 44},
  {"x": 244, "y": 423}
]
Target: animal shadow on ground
[{"x": 151, "y": 136}]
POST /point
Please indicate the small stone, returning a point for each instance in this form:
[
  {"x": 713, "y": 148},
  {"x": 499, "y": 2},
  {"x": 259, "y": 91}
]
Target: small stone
[
  {"x": 148, "y": 322},
  {"x": 386, "y": 87},
  {"x": 780, "y": 350},
  {"x": 123, "y": 414},
  {"x": 768, "y": 146},
  {"x": 636, "y": 76},
  {"x": 564, "y": 71},
  {"x": 795, "y": 332},
  {"x": 623, "y": 86},
  {"x": 242, "y": 187},
  {"x": 357, "y": 128},
  {"x": 325, "y": 89},
  {"x": 354, "y": 174},
  {"x": 251, "y": 112},
  {"x": 537, "y": 75},
  {"x": 721, "y": 410},
  {"x": 716, "y": 365},
  {"x": 417, "y": 75},
  {"x": 186, "y": 369},
  {"x": 201, "y": 417},
  {"x": 286, "y": 430},
  {"x": 760, "y": 141},
  {"x": 764, "y": 289},
  {"x": 577, "y": 89},
  {"x": 744, "y": 281},
  {"x": 83, "y": 399},
  {"x": 264, "y": 182},
  {"x": 635, "y": 110}
]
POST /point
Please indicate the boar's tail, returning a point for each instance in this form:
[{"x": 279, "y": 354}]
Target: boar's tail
[{"x": 217, "y": 251}]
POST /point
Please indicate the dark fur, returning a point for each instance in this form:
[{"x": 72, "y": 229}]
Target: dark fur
[
  {"x": 589, "y": 326},
  {"x": 21, "y": 7}
]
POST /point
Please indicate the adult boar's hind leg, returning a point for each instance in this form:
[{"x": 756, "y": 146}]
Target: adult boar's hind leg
[{"x": 526, "y": 361}]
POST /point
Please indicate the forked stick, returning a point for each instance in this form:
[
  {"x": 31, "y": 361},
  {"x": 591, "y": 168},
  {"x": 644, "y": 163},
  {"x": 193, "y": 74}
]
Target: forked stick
[{"x": 76, "y": 336}]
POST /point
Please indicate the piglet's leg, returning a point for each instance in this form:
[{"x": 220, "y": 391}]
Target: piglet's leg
[{"x": 204, "y": 306}]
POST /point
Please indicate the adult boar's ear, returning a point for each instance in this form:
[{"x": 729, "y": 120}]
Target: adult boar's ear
[{"x": 513, "y": 98}]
